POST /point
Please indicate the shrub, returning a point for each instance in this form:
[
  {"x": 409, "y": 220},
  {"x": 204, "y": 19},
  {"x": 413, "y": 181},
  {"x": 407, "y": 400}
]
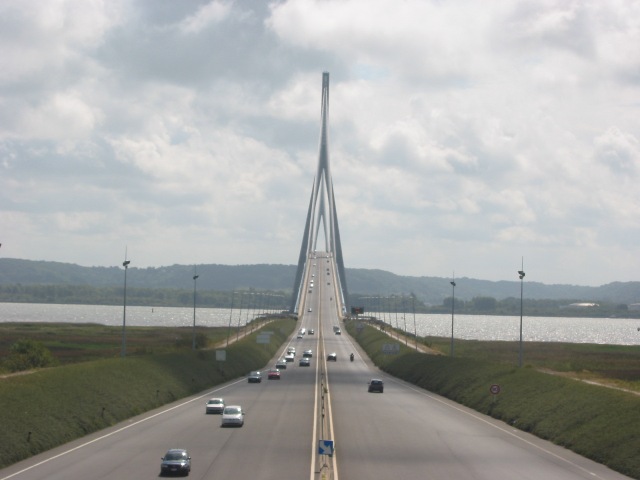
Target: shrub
[{"x": 28, "y": 354}]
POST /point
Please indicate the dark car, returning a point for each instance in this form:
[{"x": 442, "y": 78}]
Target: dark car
[
  {"x": 254, "y": 377},
  {"x": 175, "y": 461},
  {"x": 305, "y": 362},
  {"x": 376, "y": 385},
  {"x": 332, "y": 357}
]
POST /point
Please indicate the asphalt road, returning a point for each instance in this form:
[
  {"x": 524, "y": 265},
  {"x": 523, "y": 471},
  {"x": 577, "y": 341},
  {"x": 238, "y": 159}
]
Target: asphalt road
[{"x": 403, "y": 433}]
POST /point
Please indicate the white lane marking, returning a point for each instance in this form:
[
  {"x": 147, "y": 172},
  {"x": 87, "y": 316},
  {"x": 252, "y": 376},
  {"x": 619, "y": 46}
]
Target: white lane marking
[
  {"x": 66, "y": 452},
  {"x": 315, "y": 426}
]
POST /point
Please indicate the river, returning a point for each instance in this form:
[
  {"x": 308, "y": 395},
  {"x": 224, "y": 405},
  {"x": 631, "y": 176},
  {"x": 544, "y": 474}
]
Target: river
[{"x": 612, "y": 331}]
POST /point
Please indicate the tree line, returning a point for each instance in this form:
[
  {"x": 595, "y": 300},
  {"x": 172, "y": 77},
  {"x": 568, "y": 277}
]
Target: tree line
[
  {"x": 279, "y": 301},
  {"x": 152, "y": 297},
  {"x": 486, "y": 305}
]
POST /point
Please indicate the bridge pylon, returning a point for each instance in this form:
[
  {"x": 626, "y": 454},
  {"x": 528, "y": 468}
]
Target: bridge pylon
[{"x": 322, "y": 214}]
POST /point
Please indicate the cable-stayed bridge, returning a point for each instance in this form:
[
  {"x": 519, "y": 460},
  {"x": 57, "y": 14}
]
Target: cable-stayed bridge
[{"x": 322, "y": 218}]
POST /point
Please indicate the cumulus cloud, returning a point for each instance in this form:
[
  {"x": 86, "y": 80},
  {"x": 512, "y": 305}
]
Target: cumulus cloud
[{"x": 463, "y": 135}]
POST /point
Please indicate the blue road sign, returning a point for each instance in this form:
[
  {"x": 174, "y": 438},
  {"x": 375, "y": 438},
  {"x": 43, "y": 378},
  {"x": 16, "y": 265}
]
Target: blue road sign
[{"x": 325, "y": 447}]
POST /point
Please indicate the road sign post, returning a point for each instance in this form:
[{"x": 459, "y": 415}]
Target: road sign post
[{"x": 495, "y": 390}]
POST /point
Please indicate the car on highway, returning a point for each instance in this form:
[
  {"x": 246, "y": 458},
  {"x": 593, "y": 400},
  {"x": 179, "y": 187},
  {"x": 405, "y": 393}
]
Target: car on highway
[
  {"x": 338, "y": 332},
  {"x": 175, "y": 461},
  {"x": 310, "y": 309},
  {"x": 254, "y": 377},
  {"x": 289, "y": 357},
  {"x": 300, "y": 336},
  {"x": 281, "y": 364},
  {"x": 312, "y": 331},
  {"x": 305, "y": 362},
  {"x": 307, "y": 354},
  {"x": 232, "y": 416},
  {"x": 291, "y": 350},
  {"x": 376, "y": 385},
  {"x": 273, "y": 374},
  {"x": 215, "y": 405},
  {"x": 332, "y": 357}
]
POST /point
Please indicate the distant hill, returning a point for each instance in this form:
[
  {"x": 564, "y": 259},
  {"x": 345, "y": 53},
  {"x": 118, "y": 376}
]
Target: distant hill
[{"x": 431, "y": 290}]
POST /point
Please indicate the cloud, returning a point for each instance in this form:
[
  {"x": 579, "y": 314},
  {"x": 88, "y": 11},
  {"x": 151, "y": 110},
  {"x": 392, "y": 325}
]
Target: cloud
[{"x": 463, "y": 135}]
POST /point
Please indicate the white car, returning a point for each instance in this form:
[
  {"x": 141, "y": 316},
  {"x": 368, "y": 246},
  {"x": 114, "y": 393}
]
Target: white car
[
  {"x": 215, "y": 405},
  {"x": 232, "y": 416},
  {"x": 308, "y": 354},
  {"x": 291, "y": 350},
  {"x": 289, "y": 357}
]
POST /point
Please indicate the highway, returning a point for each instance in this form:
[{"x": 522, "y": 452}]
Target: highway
[{"x": 404, "y": 432}]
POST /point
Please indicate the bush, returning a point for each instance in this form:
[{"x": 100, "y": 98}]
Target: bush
[{"x": 28, "y": 354}]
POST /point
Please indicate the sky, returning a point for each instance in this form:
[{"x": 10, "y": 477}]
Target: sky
[{"x": 466, "y": 138}]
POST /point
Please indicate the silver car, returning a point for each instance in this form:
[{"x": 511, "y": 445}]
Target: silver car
[
  {"x": 232, "y": 416},
  {"x": 215, "y": 405}
]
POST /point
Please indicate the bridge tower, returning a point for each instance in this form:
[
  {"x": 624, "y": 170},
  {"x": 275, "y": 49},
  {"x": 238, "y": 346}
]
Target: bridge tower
[{"x": 322, "y": 213}]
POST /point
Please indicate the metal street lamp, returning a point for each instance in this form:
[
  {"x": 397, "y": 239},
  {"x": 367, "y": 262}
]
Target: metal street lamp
[
  {"x": 195, "y": 277},
  {"x": 415, "y": 328},
  {"x": 521, "y": 276},
  {"x": 123, "y": 352},
  {"x": 395, "y": 304},
  {"x": 404, "y": 317},
  {"x": 233, "y": 296},
  {"x": 453, "y": 303},
  {"x": 239, "y": 316}
]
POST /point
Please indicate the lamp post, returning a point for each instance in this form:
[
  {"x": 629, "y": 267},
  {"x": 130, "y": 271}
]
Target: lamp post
[
  {"x": 195, "y": 277},
  {"x": 404, "y": 317},
  {"x": 239, "y": 316},
  {"x": 233, "y": 296},
  {"x": 123, "y": 352},
  {"x": 521, "y": 276},
  {"x": 453, "y": 303},
  {"x": 415, "y": 328},
  {"x": 395, "y": 304}
]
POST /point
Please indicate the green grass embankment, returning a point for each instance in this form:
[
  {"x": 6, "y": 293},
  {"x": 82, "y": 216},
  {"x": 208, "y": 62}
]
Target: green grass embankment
[
  {"x": 47, "y": 408},
  {"x": 599, "y": 423}
]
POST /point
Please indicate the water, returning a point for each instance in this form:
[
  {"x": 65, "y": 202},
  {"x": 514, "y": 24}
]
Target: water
[
  {"x": 112, "y": 315},
  {"x": 612, "y": 331}
]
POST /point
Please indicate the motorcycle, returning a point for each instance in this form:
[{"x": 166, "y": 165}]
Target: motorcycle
[{"x": 351, "y": 357}]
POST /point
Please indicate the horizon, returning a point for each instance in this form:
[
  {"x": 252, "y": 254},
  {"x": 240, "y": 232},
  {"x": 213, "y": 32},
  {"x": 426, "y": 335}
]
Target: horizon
[{"x": 132, "y": 266}]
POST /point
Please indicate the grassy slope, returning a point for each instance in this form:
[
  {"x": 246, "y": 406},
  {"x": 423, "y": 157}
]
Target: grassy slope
[
  {"x": 47, "y": 408},
  {"x": 599, "y": 423}
]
